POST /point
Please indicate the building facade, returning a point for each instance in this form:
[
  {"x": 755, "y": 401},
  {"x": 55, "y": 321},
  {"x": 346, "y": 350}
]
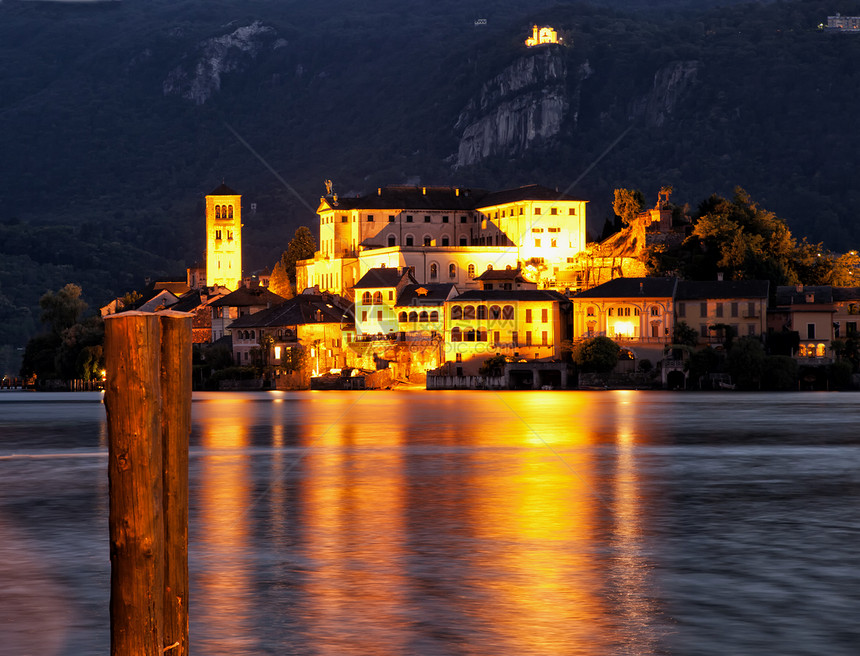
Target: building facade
[{"x": 223, "y": 238}]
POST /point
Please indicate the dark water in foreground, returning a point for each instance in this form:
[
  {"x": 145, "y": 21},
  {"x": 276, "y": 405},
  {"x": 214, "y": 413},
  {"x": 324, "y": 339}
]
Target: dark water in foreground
[{"x": 460, "y": 523}]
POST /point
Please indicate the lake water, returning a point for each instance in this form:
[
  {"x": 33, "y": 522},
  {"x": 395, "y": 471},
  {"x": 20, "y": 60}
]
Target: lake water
[{"x": 479, "y": 523}]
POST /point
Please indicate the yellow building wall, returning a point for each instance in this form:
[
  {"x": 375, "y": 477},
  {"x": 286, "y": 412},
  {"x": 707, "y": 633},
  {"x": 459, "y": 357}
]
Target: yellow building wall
[{"x": 224, "y": 241}]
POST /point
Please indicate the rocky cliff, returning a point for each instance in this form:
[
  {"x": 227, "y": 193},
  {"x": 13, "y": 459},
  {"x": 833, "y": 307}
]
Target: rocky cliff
[
  {"x": 671, "y": 85},
  {"x": 198, "y": 77},
  {"x": 524, "y": 104}
]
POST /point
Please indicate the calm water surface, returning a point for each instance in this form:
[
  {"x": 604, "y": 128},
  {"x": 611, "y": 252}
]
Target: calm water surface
[{"x": 460, "y": 523}]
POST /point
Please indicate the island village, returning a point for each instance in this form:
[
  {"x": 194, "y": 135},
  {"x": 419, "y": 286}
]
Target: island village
[{"x": 457, "y": 288}]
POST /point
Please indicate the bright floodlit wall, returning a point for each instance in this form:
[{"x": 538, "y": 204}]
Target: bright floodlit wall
[
  {"x": 374, "y": 310},
  {"x": 625, "y": 320},
  {"x": 480, "y": 328},
  {"x": 551, "y": 232},
  {"x": 224, "y": 241},
  {"x": 434, "y": 264}
]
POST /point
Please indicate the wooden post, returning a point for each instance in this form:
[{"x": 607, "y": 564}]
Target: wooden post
[
  {"x": 133, "y": 404},
  {"x": 175, "y": 430}
]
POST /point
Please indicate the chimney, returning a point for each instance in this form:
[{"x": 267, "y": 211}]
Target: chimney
[{"x": 720, "y": 276}]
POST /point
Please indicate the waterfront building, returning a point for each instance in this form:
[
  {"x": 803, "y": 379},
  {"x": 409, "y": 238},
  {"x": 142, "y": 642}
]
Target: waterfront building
[
  {"x": 717, "y": 308},
  {"x": 519, "y": 324}
]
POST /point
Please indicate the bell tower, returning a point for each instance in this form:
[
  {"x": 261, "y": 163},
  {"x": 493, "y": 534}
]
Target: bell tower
[{"x": 224, "y": 238}]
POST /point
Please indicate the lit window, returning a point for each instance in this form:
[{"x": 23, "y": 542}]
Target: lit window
[
  {"x": 508, "y": 312},
  {"x": 434, "y": 271},
  {"x": 452, "y": 270},
  {"x": 471, "y": 270},
  {"x": 277, "y": 353},
  {"x": 402, "y": 318},
  {"x": 482, "y": 312},
  {"x": 366, "y": 298},
  {"x": 377, "y": 298},
  {"x": 434, "y": 315},
  {"x": 553, "y": 211},
  {"x": 456, "y": 313},
  {"x": 469, "y": 313},
  {"x": 413, "y": 316},
  {"x": 423, "y": 316}
]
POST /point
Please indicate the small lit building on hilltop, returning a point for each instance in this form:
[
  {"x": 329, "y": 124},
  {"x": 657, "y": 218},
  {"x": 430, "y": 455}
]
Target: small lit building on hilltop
[{"x": 541, "y": 36}]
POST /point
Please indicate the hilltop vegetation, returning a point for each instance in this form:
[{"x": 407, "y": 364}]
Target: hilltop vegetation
[{"x": 104, "y": 173}]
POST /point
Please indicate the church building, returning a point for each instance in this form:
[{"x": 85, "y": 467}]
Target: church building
[{"x": 223, "y": 238}]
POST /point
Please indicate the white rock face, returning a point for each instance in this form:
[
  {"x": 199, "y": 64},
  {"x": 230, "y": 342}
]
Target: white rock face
[
  {"x": 200, "y": 78},
  {"x": 524, "y": 104}
]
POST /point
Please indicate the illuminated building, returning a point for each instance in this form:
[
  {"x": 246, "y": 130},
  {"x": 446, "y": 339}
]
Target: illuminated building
[
  {"x": 303, "y": 335},
  {"x": 223, "y": 238},
  {"x": 541, "y": 36},
  {"x": 527, "y": 324},
  {"x": 444, "y": 235},
  {"x": 245, "y": 300}
]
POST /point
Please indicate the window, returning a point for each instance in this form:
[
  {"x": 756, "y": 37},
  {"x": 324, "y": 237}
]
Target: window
[
  {"x": 528, "y": 338},
  {"x": 364, "y": 315},
  {"x": 810, "y": 331},
  {"x": 655, "y": 311},
  {"x": 456, "y": 313},
  {"x": 590, "y": 311},
  {"x": 734, "y": 307},
  {"x": 719, "y": 308},
  {"x": 703, "y": 309},
  {"x": 413, "y": 316},
  {"x": 230, "y": 212},
  {"x": 455, "y": 335},
  {"x": 609, "y": 312},
  {"x": 820, "y": 350},
  {"x": 402, "y": 318},
  {"x": 528, "y": 315},
  {"x": 408, "y": 218},
  {"x": 515, "y": 338},
  {"x": 379, "y": 315},
  {"x": 482, "y": 335},
  {"x": 537, "y": 230},
  {"x": 426, "y": 219},
  {"x": 366, "y": 298},
  {"x": 391, "y": 218},
  {"x": 392, "y": 240},
  {"x": 427, "y": 240},
  {"x": 390, "y": 295},
  {"x": 655, "y": 329},
  {"x": 217, "y": 211},
  {"x": 544, "y": 338},
  {"x": 751, "y": 329},
  {"x": 444, "y": 219},
  {"x": 571, "y": 212},
  {"x": 434, "y": 270},
  {"x": 469, "y": 336},
  {"x": 452, "y": 270},
  {"x": 851, "y": 328},
  {"x": 423, "y": 316},
  {"x": 445, "y": 241},
  {"x": 537, "y": 210},
  {"x": 496, "y": 337},
  {"x": 482, "y": 312},
  {"x": 409, "y": 240},
  {"x": 229, "y": 235},
  {"x": 377, "y": 298},
  {"x": 553, "y": 243},
  {"x": 682, "y": 310},
  {"x": 537, "y": 243},
  {"x": 495, "y": 312},
  {"x": 462, "y": 219},
  {"x": 703, "y": 330},
  {"x": 464, "y": 241},
  {"x": 471, "y": 270},
  {"x": 553, "y": 211},
  {"x": 751, "y": 310},
  {"x": 469, "y": 313},
  {"x": 434, "y": 315},
  {"x": 370, "y": 218},
  {"x": 218, "y": 235},
  {"x": 508, "y": 312}
]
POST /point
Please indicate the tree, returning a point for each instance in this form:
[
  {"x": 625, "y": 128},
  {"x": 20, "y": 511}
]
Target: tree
[
  {"x": 628, "y": 204},
  {"x": 746, "y": 361},
  {"x": 63, "y": 309},
  {"x": 279, "y": 281},
  {"x": 684, "y": 334},
  {"x": 301, "y": 247},
  {"x": 599, "y": 354},
  {"x": 779, "y": 373}
]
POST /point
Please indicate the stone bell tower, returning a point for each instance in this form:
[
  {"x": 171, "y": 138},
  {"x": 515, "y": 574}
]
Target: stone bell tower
[{"x": 224, "y": 238}]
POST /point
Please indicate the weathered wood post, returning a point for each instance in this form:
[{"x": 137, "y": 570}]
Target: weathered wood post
[
  {"x": 175, "y": 430},
  {"x": 133, "y": 404}
]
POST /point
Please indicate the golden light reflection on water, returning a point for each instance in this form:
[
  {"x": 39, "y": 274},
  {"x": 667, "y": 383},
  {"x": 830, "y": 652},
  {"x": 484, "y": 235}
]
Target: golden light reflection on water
[
  {"x": 222, "y": 597},
  {"x": 510, "y": 521}
]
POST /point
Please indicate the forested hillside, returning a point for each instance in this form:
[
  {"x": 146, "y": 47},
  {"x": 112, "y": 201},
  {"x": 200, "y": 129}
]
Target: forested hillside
[{"x": 116, "y": 118}]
